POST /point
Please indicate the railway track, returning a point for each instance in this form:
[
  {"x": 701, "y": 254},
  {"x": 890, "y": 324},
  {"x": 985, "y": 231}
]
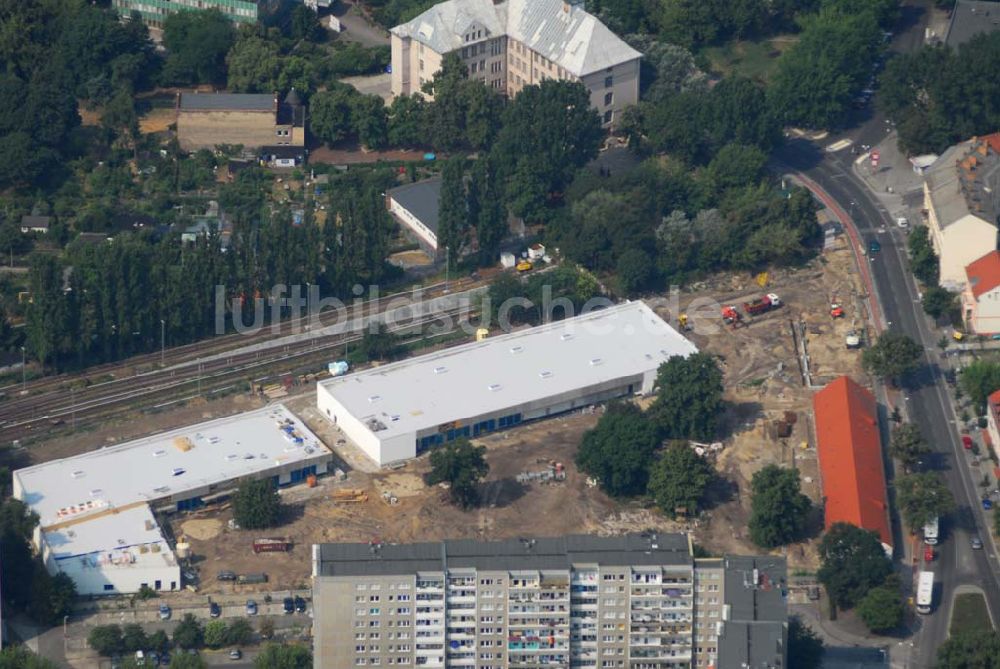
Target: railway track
[
  {"x": 151, "y": 363},
  {"x": 29, "y": 415}
]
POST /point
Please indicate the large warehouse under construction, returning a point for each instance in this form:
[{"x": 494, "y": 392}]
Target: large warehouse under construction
[
  {"x": 96, "y": 510},
  {"x": 397, "y": 411}
]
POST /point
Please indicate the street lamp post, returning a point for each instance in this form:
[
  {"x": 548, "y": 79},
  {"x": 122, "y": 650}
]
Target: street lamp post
[
  {"x": 163, "y": 340},
  {"x": 24, "y": 373},
  {"x": 447, "y": 267}
]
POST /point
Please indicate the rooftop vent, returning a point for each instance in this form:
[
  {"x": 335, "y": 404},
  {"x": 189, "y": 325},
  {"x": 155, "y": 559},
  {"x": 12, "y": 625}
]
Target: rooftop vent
[
  {"x": 178, "y": 471},
  {"x": 231, "y": 457},
  {"x": 159, "y": 453},
  {"x": 440, "y": 370},
  {"x": 494, "y": 387},
  {"x": 565, "y": 336},
  {"x": 78, "y": 474},
  {"x": 545, "y": 374},
  {"x": 373, "y": 398},
  {"x": 516, "y": 349},
  {"x": 594, "y": 362}
]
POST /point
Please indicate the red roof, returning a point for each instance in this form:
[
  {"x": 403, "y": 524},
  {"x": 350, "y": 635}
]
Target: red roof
[
  {"x": 984, "y": 273},
  {"x": 994, "y": 397},
  {"x": 850, "y": 457}
]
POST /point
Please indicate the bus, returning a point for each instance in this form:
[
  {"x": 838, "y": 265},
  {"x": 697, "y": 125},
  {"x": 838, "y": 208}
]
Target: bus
[
  {"x": 925, "y": 592},
  {"x": 931, "y": 532}
]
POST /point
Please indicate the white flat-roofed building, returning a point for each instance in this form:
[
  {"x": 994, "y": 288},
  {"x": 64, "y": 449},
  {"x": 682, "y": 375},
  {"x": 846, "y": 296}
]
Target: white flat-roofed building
[
  {"x": 96, "y": 509},
  {"x": 397, "y": 411}
]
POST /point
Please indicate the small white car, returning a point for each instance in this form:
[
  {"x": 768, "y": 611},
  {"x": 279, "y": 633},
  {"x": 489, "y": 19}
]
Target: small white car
[{"x": 902, "y": 222}]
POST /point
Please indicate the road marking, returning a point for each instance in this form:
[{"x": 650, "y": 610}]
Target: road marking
[{"x": 839, "y": 146}]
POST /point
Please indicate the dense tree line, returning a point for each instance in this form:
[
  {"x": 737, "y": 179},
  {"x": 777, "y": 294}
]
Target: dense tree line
[
  {"x": 935, "y": 95},
  {"x": 103, "y": 302}
]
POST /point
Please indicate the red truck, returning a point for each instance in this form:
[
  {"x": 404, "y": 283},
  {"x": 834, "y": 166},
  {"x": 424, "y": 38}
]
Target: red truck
[
  {"x": 759, "y": 305},
  {"x": 271, "y": 545}
]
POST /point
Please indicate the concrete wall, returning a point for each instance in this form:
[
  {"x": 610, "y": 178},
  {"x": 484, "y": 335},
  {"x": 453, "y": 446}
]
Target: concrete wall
[
  {"x": 380, "y": 450},
  {"x": 206, "y": 129},
  {"x": 412, "y": 223}
]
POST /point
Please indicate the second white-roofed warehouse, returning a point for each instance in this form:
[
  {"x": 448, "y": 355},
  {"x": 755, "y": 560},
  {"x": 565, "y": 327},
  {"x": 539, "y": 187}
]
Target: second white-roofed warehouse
[{"x": 395, "y": 412}]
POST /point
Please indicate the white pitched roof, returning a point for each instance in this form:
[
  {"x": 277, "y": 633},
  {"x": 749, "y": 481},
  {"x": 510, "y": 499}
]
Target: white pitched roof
[{"x": 562, "y": 32}]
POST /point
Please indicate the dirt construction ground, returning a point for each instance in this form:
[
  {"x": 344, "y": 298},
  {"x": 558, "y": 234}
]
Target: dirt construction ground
[{"x": 765, "y": 383}]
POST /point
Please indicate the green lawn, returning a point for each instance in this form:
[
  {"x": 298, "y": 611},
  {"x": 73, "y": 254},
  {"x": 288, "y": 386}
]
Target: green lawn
[
  {"x": 970, "y": 614},
  {"x": 754, "y": 60}
]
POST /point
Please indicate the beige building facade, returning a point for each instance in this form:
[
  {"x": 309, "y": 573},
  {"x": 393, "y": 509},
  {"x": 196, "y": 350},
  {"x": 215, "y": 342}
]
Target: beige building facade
[
  {"x": 516, "y": 43},
  {"x": 637, "y": 601},
  {"x": 962, "y": 201},
  {"x": 206, "y": 120}
]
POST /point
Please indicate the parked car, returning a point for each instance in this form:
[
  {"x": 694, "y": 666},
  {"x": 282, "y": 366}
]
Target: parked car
[
  {"x": 300, "y": 605},
  {"x": 235, "y": 654},
  {"x": 874, "y": 246},
  {"x": 987, "y": 503},
  {"x": 214, "y": 610},
  {"x": 226, "y": 576},
  {"x": 967, "y": 442},
  {"x": 164, "y": 612},
  {"x": 288, "y": 605},
  {"x": 165, "y": 660},
  {"x": 977, "y": 543},
  {"x": 251, "y": 607}
]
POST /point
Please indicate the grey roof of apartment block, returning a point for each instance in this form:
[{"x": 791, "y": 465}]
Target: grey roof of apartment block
[{"x": 546, "y": 553}]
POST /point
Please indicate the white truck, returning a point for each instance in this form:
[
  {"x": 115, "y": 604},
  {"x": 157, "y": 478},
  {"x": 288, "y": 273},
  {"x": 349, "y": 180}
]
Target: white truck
[
  {"x": 925, "y": 592},
  {"x": 931, "y": 532}
]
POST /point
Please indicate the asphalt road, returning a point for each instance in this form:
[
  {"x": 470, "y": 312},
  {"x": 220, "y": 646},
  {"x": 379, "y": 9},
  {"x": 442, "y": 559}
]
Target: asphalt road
[{"x": 928, "y": 402}]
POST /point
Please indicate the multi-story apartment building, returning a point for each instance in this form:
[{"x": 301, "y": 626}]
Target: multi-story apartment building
[
  {"x": 631, "y": 602},
  {"x": 511, "y": 44},
  {"x": 155, "y": 12}
]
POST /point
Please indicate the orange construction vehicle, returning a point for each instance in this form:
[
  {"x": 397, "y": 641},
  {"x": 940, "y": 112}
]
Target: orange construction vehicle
[
  {"x": 836, "y": 311},
  {"x": 731, "y": 317}
]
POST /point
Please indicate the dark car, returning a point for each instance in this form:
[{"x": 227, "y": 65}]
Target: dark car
[
  {"x": 300, "y": 605},
  {"x": 987, "y": 503},
  {"x": 214, "y": 610},
  {"x": 874, "y": 246},
  {"x": 226, "y": 576},
  {"x": 288, "y": 605},
  {"x": 165, "y": 660}
]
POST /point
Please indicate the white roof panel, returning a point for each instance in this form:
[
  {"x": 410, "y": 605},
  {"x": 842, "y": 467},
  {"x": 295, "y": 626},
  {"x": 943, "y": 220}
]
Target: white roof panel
[
  {"x": 509, "y": 370},
  {"x": 167, "y": 464},
  {"x": 128, "y": 537}
]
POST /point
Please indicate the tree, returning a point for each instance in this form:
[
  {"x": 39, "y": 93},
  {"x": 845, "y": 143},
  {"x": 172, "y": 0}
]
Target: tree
[
  {"x": 979, "y": 379},
  {"x": 921, "y": 497},
  {"x": 969, "y": 649},
  {"x": 618, "y": 450},
  {"x": 134, "y": 638},
  {"x": 20, "y": 657},
  {"x": 462, "y": 466},
  {"x": 548, "y": 132},
  {"x": 453, "y": 215},
  {"x": 377, "y": 343},
  {"x": 852, "y": 562},
  {"x": 330, "y": 113},
  {"x": 158, "y": 641},
  {"x": 881, "y": 609},
  {"x": 446, "y": 115},
  {"x": 779, "y": 510},
  {"x": 406, "y": 121},
  {"x": 215, "y": 633},
  {"x": 17, "y": 561},
  {"x": 923, "y": 260},
  {"x": 239, "y": 632},
  {"x": 688, "y": 401},
  {"x": 305, "y": 24},
  {"x": 908, "y": 445},
  {"x": 817, "y": 79},
  {"x": 666, "y": 69},
  {"x": 197, "y": 43},
  {"x": 256, "y": 504},
  {"x": 52, "y": 597},
  {"x": 938, "y": 302},
  {"x": 491, "y": 218},
  {"x": 805, "y": 648},
  {"x": 189, "y": 633},
  {"x": 266, "y": 628},
  {"x": 736, "y": 165},
  {"x": 284, "y": 656},
  {"x": 107, "y": 640},
  {"x": 893, "y": 355},
  {"x": 370, "y": 120},
  {"x": 635, "y": 270},
  {"x": 679, "y": 480},
  {"x": 254, "y": 64}
]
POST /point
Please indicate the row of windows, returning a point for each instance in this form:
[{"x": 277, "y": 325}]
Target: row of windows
[
  {"x": 374, "y": 611},
  {"x": 378, "y": 586},
  {"x": 374, "y": 598}
]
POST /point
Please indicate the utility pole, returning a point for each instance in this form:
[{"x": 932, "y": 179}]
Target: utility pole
[
  {"x": 447, "y": 266},
  {"x": 163, "y": 340},
  {"x": 24, "y": 373}
]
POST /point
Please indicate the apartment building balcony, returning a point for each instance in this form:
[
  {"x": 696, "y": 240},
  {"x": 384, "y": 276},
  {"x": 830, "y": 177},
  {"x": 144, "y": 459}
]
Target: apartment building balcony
[{"x": 421, "y": 661}]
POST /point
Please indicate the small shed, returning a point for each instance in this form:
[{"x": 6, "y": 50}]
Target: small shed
[{"x": 35, "y": 224}]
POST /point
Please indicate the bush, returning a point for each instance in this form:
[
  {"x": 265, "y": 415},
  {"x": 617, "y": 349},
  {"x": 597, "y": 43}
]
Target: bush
[
  {"x": 189, "y": 633},
  {"x": 215, "y": 633},
  {"x": 106, "y": 640},
  {"x": 239, "y": 632},
  {"x": 881, "y": 609}
]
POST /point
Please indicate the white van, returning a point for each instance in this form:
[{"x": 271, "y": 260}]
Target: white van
[{"x": 931, "y": 532}]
